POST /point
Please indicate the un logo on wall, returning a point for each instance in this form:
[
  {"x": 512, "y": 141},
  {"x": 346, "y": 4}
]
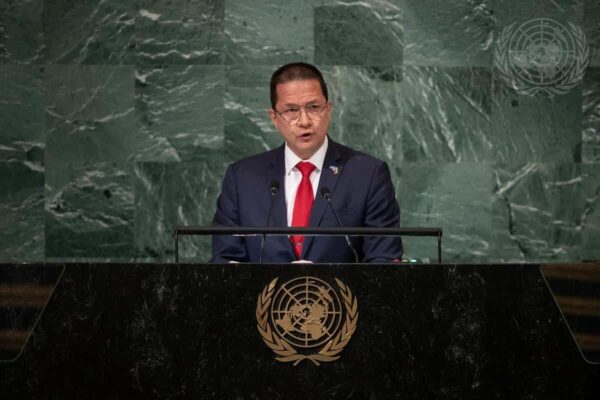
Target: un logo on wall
[
  {"x": 541, "y": 55},
  {"x": 306, "y": 319}
]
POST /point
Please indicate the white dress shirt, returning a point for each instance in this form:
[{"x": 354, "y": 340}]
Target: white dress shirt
[{"x": 293, "y": 176}]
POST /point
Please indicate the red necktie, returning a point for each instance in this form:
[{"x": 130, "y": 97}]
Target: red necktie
[{"x": 302, "y": 205}]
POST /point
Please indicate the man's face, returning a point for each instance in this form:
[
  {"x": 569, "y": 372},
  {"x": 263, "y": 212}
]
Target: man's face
[{"x": 305, "y": 135}]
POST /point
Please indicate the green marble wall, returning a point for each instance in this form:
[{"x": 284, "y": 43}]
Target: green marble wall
[{"x": 118, "y": 119}]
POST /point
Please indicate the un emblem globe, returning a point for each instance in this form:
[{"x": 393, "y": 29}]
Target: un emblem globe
[
  {"x": 542, "y": 51},
  {"x": 306, "y": 312}
]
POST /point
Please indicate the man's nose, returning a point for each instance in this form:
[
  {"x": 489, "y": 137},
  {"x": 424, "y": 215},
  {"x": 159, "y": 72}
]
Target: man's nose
[{"x": 304, "y": 118}]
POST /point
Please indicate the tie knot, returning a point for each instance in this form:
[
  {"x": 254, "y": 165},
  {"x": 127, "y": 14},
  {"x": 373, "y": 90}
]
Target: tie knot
[{"x": 305, "y": 168}]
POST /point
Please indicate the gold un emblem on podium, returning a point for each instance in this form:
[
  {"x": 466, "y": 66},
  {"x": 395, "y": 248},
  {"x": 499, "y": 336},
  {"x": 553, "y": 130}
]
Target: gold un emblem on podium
[{"x": 306, "y": 319}]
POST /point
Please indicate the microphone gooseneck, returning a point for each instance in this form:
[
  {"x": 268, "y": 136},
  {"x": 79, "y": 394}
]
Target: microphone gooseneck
[
  {"x": 326, "y": 193},
  {"x": 274, "y": 188}
]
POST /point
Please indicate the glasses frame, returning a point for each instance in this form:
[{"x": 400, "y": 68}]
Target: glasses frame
[{"x": 301, "y": 109}]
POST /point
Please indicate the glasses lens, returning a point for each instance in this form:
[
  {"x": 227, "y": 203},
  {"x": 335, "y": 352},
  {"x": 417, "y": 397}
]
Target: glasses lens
[
  {"x": 315, "y": 110},
  {"x": 290, "y": 114}
]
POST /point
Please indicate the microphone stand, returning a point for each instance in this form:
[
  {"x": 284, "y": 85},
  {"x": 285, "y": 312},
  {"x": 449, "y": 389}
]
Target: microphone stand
[
  {"x": 274, "y": 189},
  {"x": 327, "y": 195}
]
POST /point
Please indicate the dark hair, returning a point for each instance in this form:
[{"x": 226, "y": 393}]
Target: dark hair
[{"x": 298, "y": 71}]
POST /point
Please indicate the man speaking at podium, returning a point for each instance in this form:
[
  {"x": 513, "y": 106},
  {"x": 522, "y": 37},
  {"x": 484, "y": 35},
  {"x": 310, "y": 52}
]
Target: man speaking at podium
[{"x": 304, "y": 183}]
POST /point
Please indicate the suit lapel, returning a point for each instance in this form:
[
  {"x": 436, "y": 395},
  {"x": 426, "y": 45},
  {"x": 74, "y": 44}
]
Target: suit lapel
[{"x": 332, "y": 169}]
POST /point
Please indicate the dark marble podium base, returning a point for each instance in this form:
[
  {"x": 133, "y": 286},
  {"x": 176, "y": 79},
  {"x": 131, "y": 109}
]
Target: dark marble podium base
[{"x": 189, "y": 331}]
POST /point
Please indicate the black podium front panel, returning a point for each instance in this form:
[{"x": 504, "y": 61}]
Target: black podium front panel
[{"x": 377, "y": 332}]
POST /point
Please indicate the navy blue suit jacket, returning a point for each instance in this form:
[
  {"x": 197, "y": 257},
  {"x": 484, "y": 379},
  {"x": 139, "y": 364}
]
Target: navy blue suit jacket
[{"x": 362, "y": 193}]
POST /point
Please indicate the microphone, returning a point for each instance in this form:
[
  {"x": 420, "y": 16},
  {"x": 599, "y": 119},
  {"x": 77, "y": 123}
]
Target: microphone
[
  {"x": 326, "y": 193},
  {"x": 273, "y": 189}
]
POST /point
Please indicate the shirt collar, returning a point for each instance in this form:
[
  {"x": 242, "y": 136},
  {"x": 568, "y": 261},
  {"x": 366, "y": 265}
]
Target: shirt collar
[{"x": 317, "y": 159}]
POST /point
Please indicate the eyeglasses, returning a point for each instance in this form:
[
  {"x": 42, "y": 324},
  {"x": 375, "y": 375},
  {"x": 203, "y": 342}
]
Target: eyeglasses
[{"x": 292, "y": 114}]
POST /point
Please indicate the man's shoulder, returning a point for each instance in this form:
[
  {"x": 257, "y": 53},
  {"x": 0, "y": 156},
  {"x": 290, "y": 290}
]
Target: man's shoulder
[
  {"x": 258, "y": 160},
  {"x": 356, "y": 156}
]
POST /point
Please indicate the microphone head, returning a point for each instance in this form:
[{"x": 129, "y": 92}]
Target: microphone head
[
  {"x": 274, "y": 186},
  {"x": 325, "y": 192}
]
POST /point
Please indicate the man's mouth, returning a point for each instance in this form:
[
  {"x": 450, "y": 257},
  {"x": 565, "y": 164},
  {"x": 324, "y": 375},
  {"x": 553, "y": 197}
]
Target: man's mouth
[{"x": 305, "y": 136}]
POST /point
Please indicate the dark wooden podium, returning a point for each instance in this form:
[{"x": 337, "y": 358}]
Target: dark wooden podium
[{"x": 115, "y": 331}]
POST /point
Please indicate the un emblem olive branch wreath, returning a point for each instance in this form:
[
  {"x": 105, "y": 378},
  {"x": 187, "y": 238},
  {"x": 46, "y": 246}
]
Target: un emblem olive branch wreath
[
  {"x": 574, "y": 75},
  {"x": 285, "y": 351},
  {"x": 501, "y": 57},
  {"x": 275, "y": 343}
]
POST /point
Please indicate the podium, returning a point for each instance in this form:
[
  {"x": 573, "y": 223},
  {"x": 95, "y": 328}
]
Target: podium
[{"x": 194, "y": 331}]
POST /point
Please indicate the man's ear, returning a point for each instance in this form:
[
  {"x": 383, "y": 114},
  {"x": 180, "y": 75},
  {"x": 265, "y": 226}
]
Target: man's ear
[{"x": 273, "y": 116}]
